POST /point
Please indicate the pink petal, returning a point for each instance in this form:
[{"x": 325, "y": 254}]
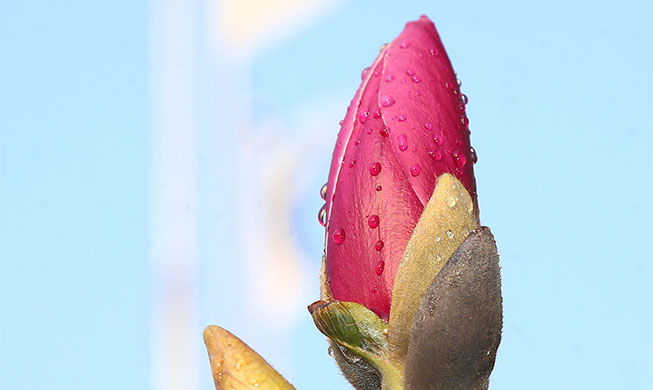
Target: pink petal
[
  {"x": 362, "y": 267},
  {"x": 428, "y": 105}
]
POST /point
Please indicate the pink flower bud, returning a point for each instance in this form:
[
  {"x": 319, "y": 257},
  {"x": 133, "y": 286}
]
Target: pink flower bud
[{"x": 405, "y": 126}]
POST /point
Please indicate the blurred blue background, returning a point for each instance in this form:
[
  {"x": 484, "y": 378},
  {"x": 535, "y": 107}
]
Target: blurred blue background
[{"x": 160, "y": 164}]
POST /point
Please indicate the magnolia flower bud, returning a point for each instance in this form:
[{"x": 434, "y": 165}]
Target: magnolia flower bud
[
  {"x": 405, "y": 127},
  {"x": 411, "y": 294}
]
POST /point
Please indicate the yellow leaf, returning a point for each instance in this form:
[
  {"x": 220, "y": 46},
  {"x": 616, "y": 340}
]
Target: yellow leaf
[{"x": 235, "y": 366}]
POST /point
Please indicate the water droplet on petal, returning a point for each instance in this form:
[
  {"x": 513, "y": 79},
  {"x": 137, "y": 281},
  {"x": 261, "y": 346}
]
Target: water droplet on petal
[
  {"x": 410, "y": 72},
  {"x": 460, "y": 82},
  {"x": 341, "y": 122},
  {"x": 384, "y": 132},
  {"x": 383, "y": 46},
  {"x": 437, "y": 139},
  {"x": 352, "y": 163},
  {"x": 362, "y": 116},
  {"x": 358, "y": 142},
  {"x": 472, "y": 151},
  {"x": 434, "y": 51},
  {"x": 428, "y": 125},
  {"x": 459, "y": 157},
  {"x": 379, "y": 188},
  {"x": 377, "y": 113},
  {"x": 364, "y": 72},
  {"x": 380, "y": 267},
  {"x": 375, "y": 169},
  {"x": 321, "y": 216},
  {"x": 416, "y": 78},
  {"x": 379, "y": 245},
  {"x": 465, "y": 98},
  {"x": 404, "y": 44},
  {"x": 403, "y": 142},
  {"x": 436, "y": 155},
  {"x": 339, "y": 236},
  {"x": 389, "y": 77},
  {"x": 323, "y": 191},
  {"x": 414, "y": 170},
  {"x": 437, "y": 238},
  {"x": 373, "y": 221},
  {"x": 450, "y": 234},
  {"x": 387, "y": 101},
  {"x": 451, "y": 201},
  {"x": 401, "y": 117}
]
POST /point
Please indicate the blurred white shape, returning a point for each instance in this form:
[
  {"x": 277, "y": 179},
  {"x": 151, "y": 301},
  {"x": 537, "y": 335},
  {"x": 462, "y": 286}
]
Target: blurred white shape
[
  {"x": 175, "y": 331},
  {"x": 245, "y": 27}
]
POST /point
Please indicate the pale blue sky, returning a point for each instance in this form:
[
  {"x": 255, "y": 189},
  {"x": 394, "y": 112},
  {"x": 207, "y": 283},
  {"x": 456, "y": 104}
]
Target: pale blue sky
[{"x": 561, "y": 95}]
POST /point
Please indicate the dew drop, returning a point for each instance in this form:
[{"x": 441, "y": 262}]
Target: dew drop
[
  {"x": 450, "y": 234},
  {"x": 451, "y": 201},
  {"x": 375, "y": 169},
  {"x": 380, "y": 267},
  {"x": 386, "y": 331},
  {"x": 352, "y": 163},
  {"x": 403, "y": 142},
  {"x": 389, "y": 77},
  {"x": 459, "y": 157},
  {"x": 465, "y": 98},
  {"x": 358, "y": 142},
  {"x": 384, "y": 131},
  {"x": 416, "y": 78},
  {"x": 379, "y": 188},
  {"x": 377, "y": 113},
  {"x": 414, "y": 170},
  {"x": 376, "y": 73},
  {"x": 472, "y": 151},
  {"x": 341, "y": 122},
  {"x": 383, "y": 46},
  {"x": 387, "y": 101},
  {"x": 410, "y": 72},
  {"x": 339, "y": 236},
  {"x": 437, "y": 238},
  {"x": 437, "y": 139},
  {"x": 401, "y": 117},
  {"x": 438, "y": 257},
  {"x": 460, "y": 82},
  {"x": 373, "y": 221},
  {"x": 362, "y": 116},
  {"x": 364, "y": 72},
  {"x": 321, "y": 216},
  {"x": 436, "y": 154},
  {"x": 428, "y": 125},
  {"x": 379, "y": 245},
  {"x": 404, "y": 44},
  {"x": 434, "y": 51},
  {"x": 323, "y": 191}
]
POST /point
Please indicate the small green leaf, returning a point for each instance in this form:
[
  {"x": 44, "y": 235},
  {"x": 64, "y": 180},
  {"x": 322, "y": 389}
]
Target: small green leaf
[
  {"x": 352, "y": 325},
  {"x": 360, "y": 332}
]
